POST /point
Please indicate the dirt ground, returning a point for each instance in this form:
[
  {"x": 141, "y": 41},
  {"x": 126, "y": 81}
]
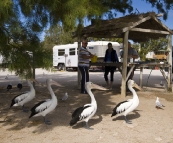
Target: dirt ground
[{"x": 149, "y": 125}]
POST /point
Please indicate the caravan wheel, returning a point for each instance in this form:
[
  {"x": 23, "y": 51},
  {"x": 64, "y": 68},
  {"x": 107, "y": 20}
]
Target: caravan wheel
[{"x": 61, "y": 67}]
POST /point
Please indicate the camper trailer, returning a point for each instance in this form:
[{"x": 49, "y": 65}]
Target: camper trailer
[{"x": 66, "y": 56}]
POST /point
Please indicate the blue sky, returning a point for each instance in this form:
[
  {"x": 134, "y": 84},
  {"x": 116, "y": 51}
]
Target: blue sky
[{"x": 144, "y": 7}]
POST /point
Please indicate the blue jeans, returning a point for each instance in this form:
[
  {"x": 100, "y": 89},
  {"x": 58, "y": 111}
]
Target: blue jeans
[{"x": 85, "y": 77}]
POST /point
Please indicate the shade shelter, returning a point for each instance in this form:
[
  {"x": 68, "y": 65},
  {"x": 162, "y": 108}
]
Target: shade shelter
[{"x": 136, "y": 27}]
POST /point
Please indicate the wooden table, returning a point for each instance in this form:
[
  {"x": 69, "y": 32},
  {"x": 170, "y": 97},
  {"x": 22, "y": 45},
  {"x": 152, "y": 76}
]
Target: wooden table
[{"x": 140, "y": 65}]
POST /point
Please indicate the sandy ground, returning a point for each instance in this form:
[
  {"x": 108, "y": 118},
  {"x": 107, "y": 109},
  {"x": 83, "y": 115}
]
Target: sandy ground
[{"x": 149, "y": 125}]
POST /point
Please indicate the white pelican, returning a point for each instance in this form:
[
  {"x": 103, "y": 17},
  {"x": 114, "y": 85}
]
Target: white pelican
[
  {"x": 44, "y": 107},
  {"x": 23, "y": 98},
  {"x": 128, "y": 106},
  {"x": 88, "y": 110},
  {"x": 159, "y": 105}
]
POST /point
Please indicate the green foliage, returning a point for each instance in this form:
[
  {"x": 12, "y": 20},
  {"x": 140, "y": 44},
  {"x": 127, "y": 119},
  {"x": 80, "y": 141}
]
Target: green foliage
[
  {"x": 21, "y": 22},
  {"x": 56, "y": 35},
  {"x": 150, "y": 46}
]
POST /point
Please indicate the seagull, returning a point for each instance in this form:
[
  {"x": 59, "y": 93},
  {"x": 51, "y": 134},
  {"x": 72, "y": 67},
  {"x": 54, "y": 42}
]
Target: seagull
[
  {"x": 24, "y": 98},
  {"x": 159, "y": 104},
  {"x": 88, "y": 110},
  {"x": 128, "y": 106},
  {"x": 7, "y": 76},
  {"x": 161, "y": 83},
  {"x": 44, "y": 107},
  {"x": 65, "y": 96}
]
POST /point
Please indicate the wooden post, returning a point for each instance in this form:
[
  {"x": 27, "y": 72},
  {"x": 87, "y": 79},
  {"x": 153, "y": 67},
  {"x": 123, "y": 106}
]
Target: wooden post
[
  {"x": 170, "y": 63},
  {"x": 79, "y": 74},
  {"x": 33, "y": 67},
  {"x": 124, "y": 67},
  {"x": 140, "y": 80}
]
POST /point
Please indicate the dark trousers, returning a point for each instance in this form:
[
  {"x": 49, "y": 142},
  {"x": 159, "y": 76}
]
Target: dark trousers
[
  {"x": 85, "y": 77},
  {"x": 111, "y": 70}
]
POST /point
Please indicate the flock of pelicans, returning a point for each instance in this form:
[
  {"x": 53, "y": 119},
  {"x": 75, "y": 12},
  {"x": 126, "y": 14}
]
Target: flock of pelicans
[{"x": 83, "y": 113}]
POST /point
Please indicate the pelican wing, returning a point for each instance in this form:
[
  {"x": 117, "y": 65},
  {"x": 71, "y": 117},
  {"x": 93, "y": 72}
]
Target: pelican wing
[
  {"x": 87, "y": 111},
  {"x": 18, "y": 98},
  {"x": 39, "y": 107},
  {"x": 43, "y": 106},
  {"x": 21, "y": 97},
  {"x": 81, "y": 113},
  {"x": 121, "y": 107}
]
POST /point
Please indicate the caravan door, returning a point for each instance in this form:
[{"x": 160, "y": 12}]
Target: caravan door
[{"x": 72, "y": 58}]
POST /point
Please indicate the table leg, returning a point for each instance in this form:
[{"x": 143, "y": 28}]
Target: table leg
[
  {"x": 141, "y": 72},
  {"x": 130, "y": 72}
]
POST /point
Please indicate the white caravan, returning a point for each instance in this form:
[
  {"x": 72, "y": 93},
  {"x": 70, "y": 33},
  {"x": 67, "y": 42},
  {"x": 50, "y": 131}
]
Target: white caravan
[{"x": 66, "y": 56}]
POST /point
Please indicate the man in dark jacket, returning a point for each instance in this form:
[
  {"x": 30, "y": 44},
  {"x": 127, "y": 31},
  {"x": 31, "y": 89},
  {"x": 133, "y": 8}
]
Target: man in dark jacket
[{"x": 110, "y": 56}]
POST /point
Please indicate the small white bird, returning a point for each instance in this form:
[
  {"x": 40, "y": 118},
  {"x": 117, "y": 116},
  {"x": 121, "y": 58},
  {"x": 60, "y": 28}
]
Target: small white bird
[
  {"x": 44, "y": 107},
  {"x": 159, "y": 105},
  {"x": 85, "y": 112},
  {"x": 161, "y": 83},
  {"x": 65, "y": 96},
  {"x": 128, "y": 106},
  {"x": 7, "y": 76}
]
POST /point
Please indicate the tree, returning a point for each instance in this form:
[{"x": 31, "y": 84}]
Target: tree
[
  {"x": 56, "y": 35},
  {"x": 151, "y": 45}
]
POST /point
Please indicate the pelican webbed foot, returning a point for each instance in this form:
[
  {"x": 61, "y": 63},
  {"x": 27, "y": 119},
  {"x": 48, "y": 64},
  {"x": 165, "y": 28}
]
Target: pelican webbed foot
[
  {"x": 24, "y": 109},
  {"x": 87, "y": 127},
  {"x": 47, "y": 122},
  {"x": 127, "y": 121}
]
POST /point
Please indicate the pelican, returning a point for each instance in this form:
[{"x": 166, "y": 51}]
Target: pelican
[
  {"x": 159, "y": 105},
  {"x": 44, "y": 107},
  {"x": 19, "y": 86},
  {"x": 23, "y": 98},
  {"x": 88, "y": 110},
  {"x": 9, "y": 86},
  {"x": 128, "y": 106}
]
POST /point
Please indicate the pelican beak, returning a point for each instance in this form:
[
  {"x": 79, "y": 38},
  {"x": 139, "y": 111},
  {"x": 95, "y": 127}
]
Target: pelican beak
[
  {"x": 95, "y": 86},
  {"x": 135, "y": 85},
  {"x": 34, "y": 80},
  {"x": 56, "y": 83}
]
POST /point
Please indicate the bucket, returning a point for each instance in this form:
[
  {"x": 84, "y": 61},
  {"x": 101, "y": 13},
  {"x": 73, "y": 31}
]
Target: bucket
[{"x": 94, "y": 59}]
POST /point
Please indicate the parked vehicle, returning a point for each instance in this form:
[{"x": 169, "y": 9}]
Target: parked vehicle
[{"x": 66, "y": 56}]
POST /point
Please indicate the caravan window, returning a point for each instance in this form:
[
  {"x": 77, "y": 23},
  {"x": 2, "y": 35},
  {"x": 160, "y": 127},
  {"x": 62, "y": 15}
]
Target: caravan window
[
  {"x": 72, "y": 51},
  {"x": 61, "y": 52}
]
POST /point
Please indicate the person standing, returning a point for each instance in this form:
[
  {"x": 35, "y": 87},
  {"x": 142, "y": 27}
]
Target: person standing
[
  {"x": 110, "y": 56},
  {"x": 83, "y": 64},
  {"x": 132, "y": 54}
]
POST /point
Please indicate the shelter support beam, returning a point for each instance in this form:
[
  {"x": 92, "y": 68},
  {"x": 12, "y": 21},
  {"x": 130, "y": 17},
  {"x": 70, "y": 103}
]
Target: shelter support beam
[
  {"x": 79, "y": 74},
  {"x": 149, "y": 31},
  {"x": 141, "y": 73},
  {"x": 170, "y": 62},
  {"x": 124, "y": 68}
]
